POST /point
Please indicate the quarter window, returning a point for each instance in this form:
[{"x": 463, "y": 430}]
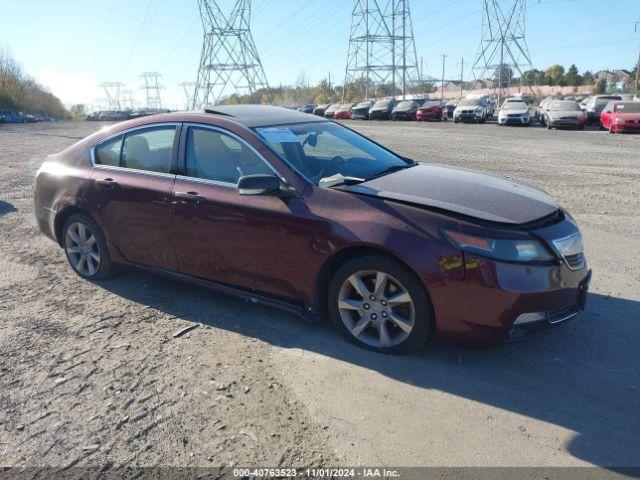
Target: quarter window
[
  {"x": 109, "y": 152},
  {"x": 212, "y": 155},
  {"x": 149, "y": 149}
]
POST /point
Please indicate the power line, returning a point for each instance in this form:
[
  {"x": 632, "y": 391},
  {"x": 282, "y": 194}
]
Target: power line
[{"x": 135, "y": 43}]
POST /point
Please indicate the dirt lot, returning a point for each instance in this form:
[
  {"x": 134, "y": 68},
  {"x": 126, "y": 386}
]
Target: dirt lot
[{"x": 91, "y": 374}]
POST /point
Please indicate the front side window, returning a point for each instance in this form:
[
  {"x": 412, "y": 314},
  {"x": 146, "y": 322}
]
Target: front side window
[
  {"x": 213, "y": 155},
  {"x": 320, "y": 150},
  {"x": 108, "y": 153},
  {"x": 149, "y": 149}
]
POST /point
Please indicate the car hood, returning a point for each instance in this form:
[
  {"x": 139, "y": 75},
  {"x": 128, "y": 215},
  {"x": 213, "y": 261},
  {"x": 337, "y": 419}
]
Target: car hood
[
  {"x": 466, "y": 192},
  {"x": 564, "y": 113},
  {"x": 514, "y": 112}
]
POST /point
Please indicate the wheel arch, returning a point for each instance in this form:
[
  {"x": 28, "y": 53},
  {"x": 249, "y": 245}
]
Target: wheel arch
[
  {"x": 62, "y": 216},
  {"x": 339, "y": 258}
]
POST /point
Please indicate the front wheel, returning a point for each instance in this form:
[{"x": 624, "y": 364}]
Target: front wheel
[
  {"x": 378, "y": 304},
  {"x": 86, "y": 248}
]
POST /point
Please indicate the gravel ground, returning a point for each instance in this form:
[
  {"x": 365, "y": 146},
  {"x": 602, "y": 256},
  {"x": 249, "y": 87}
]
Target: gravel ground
[{"x": 91, "y": 374}]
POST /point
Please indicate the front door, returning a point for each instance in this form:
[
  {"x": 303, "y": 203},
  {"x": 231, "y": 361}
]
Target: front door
[
  {"x": 252, "y": 242},
  {"x": 132, "y": 185}
]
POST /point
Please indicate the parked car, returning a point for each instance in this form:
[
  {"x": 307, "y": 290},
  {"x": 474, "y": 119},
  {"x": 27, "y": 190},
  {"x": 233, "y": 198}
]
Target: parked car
[
  {"x": 395, "y": 247},
  {"x": 307, "y": 108},
  {"x": 382, "y": 109},
  {"x": 331, "y": 110},
  {"x": 514, "y": 113},
  {"x": 541, "y": 111},
  {"x": 448, "y": 109},
  {"x": 344, "y": 112},
  {"x": 595, "y": 105},
  {"x": 430, "y": 110},
  {"x": 406, "y": 110},
  {"x": 564, "y": 114},
  {"x": 621, "y": 117},
  {"x": 471, "y": 110},
  {"x": 320, "y": 109},
  {"x": 361, "y": 110}
]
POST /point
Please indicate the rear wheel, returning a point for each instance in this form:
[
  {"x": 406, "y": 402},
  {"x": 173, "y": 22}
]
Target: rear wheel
[
  {"x": 379, "y": 304},
  {"x": 86, "y": 248}
]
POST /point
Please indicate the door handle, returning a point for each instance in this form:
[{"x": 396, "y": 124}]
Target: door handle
[
  {"x": 108, "y": 183},
  {"x": 189, "y": 197}
]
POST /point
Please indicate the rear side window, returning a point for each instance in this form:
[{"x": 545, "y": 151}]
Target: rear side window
[
  {"x": 212, "y": 155},
  {"x": 108, "y": 153},
  {"x": 149, "y": 149}
]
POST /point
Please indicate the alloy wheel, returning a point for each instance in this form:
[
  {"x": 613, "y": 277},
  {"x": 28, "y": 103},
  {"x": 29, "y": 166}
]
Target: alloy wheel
[
  {"x": 376, "y": 308},
  {"x": 82, "y": 249}
]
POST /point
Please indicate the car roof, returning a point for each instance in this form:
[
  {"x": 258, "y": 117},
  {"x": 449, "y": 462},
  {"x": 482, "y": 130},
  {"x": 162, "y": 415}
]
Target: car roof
[{"x": 261, "y": 115}]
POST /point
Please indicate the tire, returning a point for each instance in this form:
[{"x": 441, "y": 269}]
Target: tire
[
  {"x": 549, "y": 127},
  {"x": 611, "y": 129},
  {"x": 72, "y": 238},
  {"x": 415, "y": 314}
]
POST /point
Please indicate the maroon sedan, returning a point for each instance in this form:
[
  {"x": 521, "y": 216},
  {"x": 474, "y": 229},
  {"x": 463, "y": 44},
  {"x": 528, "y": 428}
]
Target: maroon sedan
[{"x": 301, "y": 213}]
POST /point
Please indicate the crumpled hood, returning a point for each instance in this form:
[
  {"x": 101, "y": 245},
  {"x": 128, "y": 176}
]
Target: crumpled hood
[{"x": 480, "y": 195}]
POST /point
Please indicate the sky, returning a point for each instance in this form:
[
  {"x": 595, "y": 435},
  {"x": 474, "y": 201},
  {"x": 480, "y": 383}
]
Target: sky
[{"x": 71, "y": 46}]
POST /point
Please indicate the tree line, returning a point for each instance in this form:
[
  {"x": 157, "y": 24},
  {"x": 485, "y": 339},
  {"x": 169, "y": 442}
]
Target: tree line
[
  {"x": 19, "y": 91},
  {"x": 556, "y": 75}
]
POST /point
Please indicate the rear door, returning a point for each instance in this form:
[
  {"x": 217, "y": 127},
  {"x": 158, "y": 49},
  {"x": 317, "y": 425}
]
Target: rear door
[{"x": 132, "y": 183}]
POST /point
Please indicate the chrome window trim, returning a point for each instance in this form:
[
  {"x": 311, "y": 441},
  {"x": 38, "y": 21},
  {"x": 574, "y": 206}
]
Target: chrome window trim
[
  {"x": 123, "y": 133},
  {"x": 206, "y": 181},
  {"x": 239, "y": 139}
]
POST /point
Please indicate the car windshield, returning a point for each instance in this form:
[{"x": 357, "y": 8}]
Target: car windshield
[
  {"x": 605, "y": 100},
  {"x": 382, "y": 103},
  {"x": 431, "y": 103},
  {"x": 511, "y": 105},
  {"x": 346, "y": 106},
  {"x": 329, "y": 154},
  {"x": 469, "y": 102},
  {"x": 405, "y": 104},
  {"x": 363, "y": 105},
  {"x": 565, "y": 107},
  {"x": 631, "y": 107}
]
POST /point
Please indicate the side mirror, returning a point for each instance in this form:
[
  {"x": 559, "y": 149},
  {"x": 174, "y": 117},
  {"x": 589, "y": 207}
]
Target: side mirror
[{"x": 261, "y": 185}]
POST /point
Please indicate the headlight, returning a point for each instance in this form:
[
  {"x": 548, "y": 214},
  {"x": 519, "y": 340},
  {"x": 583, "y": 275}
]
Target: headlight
[
  {"x": 619, "y": 120},
  {"x": 499, "y": 248}
]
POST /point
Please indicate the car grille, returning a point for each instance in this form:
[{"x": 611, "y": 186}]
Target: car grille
[
  {"x": 568, "y": 118},
  {"x": 467, "y": 111},
  {"x": 514, "y": 115},
  {"x": 576, "y": 261}
]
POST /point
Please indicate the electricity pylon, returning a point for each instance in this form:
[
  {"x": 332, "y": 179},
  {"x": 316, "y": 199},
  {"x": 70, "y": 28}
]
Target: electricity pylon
[
  {"x": 188, "y": 89},
  {"x": 112, "y": 92},
  {"x": 503, "y": 47},
  {"x": 151, "y": 86},
  {"x": 229, "y": 62},
  {"x": 382, "y": 49}
]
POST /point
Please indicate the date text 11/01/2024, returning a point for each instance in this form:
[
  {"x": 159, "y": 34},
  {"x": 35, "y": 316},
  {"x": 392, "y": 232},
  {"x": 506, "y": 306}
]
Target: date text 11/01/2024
[{"x": 316, "y": 473}]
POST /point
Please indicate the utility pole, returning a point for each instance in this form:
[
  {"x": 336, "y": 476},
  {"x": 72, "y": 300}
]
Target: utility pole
[
  {"x": 635, "y": 29},
  {"x": 461, "y": 77},
  {"x": 229, "y": 62},
  {"x": 444, "y": 57},
  {"x": 381, "y": 47}
]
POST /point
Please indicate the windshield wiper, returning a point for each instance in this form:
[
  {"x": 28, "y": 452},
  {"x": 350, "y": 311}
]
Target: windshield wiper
[
  {"x": 390, "y": 170},
  {"x": 339, "y": 179}
]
